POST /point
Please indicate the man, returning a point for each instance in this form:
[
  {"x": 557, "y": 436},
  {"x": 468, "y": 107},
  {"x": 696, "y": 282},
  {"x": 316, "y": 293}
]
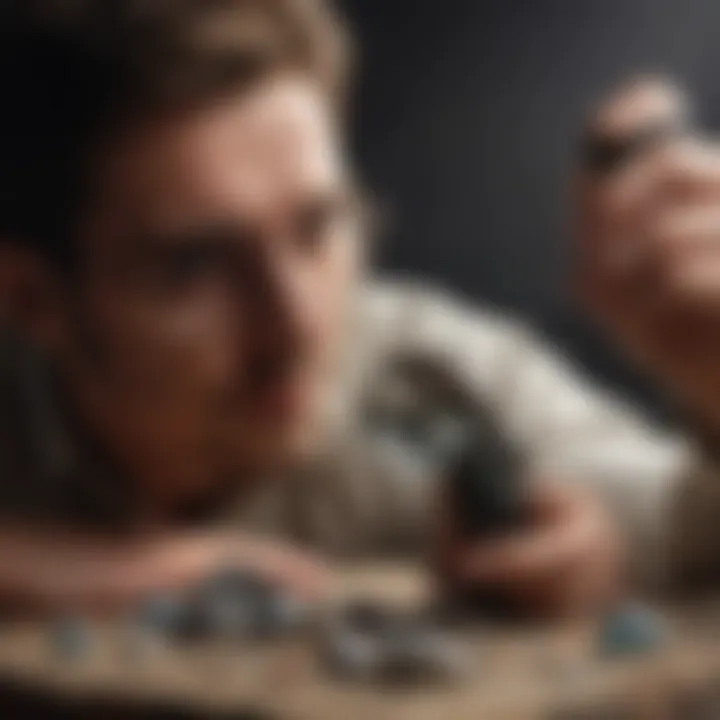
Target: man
[{"x": 189, "y": 332}]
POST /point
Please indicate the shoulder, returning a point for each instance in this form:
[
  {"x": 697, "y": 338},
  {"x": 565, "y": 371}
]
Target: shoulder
[
  {"x": 408, "y": 314},
  {"x": 484, "y": 349}
]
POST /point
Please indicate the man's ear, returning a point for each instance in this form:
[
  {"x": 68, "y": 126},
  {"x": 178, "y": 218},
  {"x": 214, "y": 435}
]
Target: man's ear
[{"x": 31, "y": 299}]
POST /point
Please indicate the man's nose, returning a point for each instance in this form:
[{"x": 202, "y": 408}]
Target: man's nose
[{"x": 282, "y": 311}]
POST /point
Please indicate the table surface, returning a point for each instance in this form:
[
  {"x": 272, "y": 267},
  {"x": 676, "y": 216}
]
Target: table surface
[{"x": 535, "y": 672}]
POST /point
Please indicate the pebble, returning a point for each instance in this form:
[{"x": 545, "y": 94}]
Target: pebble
[
  {"x": 71, "y": 638},
  {"x": 350, "y": 656},
  {"x": 367, "y": 616},
  {"x": 371, "y": 642},
  {"x": 632, "y": 630},
  {"x": 236, "y": 604},
  {"x": 230, "y": 615},
  {"x": 419, "y": 655},
  {"x": 284, "y": 614},
  {"x": 169, "y": 615}
]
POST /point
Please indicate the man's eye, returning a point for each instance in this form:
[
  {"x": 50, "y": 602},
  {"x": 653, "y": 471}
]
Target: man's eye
[
  {"x": 188, "y": 264},
  {"x": 316, "y": 227}
]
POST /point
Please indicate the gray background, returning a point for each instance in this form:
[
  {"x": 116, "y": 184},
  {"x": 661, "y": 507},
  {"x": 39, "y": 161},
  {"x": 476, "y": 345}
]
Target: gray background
[{"x": 467, "y": 117}]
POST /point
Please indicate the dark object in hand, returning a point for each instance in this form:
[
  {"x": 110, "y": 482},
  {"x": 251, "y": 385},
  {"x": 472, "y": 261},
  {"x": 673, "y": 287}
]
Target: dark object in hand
[
  {"x": 425, "y": 407},
  {"x": 486, "y": 483},
  {"x": 460, "y": 441},
  {"x": 602, "y": 154}
]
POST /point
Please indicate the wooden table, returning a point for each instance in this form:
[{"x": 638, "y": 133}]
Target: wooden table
[{"x": 521, "y": 673}]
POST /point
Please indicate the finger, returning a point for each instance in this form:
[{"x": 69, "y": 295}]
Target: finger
[
  {"x": 613, "y": 244},
  {"x": 633, "y": 111},
  {"x": 582, "y": 586},
  {"x": 295, "y": 570},
  {"x": 692, "y": 283},
  {"x": 619, "y": 217},
  {"x": 684, "y": 231},
  {"x": 691, "y": 168},
  {"x": 202, "y": 556},
  {"x": 587, "y": 585},
  {"x": 635, "y": 100},
  {"x": 607, "y": 199},
  {"x": 529, "y": 555},
  {"x": 562, "y": 530},
  {"x": 650, "y": 235}
]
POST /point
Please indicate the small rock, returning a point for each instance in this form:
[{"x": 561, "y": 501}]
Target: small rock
[
  {"x": 421, "y": 653},
  {"x": 283, "y": 614},
  {"x": 350, "y": 656},
  {"x": 368, "y": 616},
  {"x": 71, "y": 638},
  {"x": 169, "y": 615},
  {"x": 632, "y": 630},
  {"x": 239, "y": 605},
  {"x": 229, "y": 604}
]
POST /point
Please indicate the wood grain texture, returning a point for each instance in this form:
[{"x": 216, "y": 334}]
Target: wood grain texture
[{"x": 521, "y": 673}]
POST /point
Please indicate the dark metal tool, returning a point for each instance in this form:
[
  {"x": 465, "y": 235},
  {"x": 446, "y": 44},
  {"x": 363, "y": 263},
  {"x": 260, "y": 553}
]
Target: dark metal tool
[
  {"x": 426, "y": 407},
  {"x": 603, "y": 154}
]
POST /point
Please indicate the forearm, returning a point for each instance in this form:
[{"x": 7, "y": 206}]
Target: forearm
[
  {"x": 669, "y": 524},
  {"x": 51, "y": 570},
  {"x": 46, "y": 569}
]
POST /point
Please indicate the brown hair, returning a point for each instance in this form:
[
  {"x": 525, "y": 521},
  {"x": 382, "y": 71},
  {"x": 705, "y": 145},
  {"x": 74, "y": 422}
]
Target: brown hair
[{"x": 72, "y": 71}]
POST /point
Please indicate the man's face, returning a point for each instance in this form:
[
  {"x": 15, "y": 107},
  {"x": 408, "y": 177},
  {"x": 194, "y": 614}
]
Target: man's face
[{"x": 219, "y": 255}]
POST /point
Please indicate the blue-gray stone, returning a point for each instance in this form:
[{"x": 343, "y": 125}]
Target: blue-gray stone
[
  {"x": 632, "y": 630},
  {"x": 71, "y": 638},
  {"x": 283, "y": 614},
  {"x": 169, "y": 615},
  {"x": 351, "y": 656},
  {"x": 237, "y": 604},
  {"x": 368, "y": 617}
]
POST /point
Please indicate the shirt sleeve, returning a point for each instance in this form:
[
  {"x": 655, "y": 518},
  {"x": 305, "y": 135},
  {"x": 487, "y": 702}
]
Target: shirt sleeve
[{"x": 660, "y": 487}]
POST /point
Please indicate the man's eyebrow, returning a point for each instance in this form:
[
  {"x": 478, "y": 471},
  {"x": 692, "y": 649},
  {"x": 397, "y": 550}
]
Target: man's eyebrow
[
  {"x": 218, "y": 232},
  {"x": 221, "y": 231}
]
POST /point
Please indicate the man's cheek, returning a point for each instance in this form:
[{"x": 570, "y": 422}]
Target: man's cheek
[
  {"x": 208, "y": 344},
  {"x": 340, "y": 286},
  {"x": 190, "y": 348}
]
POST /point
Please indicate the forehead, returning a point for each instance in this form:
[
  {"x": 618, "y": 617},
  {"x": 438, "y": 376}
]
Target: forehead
[{"x": 257, "y": 150}]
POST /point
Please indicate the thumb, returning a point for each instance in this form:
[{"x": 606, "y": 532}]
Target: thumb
[{"x": 635, "y": 118}]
